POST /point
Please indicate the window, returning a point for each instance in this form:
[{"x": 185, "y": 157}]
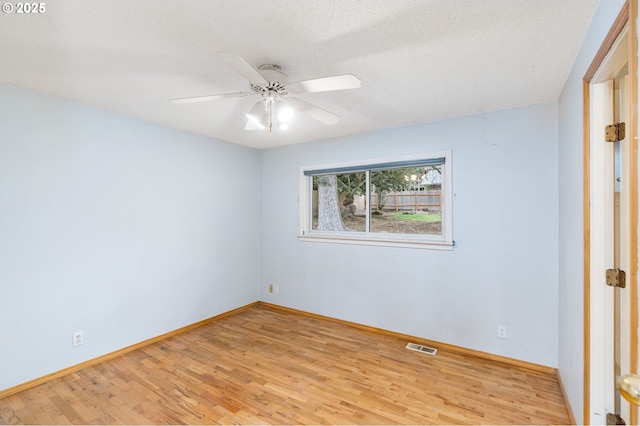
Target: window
[{"x": 403, "y": 202}]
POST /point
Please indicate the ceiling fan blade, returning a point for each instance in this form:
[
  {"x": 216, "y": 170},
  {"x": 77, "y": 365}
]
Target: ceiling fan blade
[
  {"x": 242, "y": 67},
  {"x": 326, "y": 84},
  {"x": 210, "y": 97},
  {"x": 313, "y": 111}
]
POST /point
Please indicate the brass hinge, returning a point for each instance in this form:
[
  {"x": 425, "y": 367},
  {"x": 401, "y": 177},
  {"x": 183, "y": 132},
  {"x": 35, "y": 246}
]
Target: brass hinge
[
  {"x": 616, "y": 278},
  {"x": 614, "y": 419},
  {"x": 614, "y": 132}
]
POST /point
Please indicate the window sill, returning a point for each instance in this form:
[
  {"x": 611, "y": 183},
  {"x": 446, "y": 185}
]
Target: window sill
[{"x": 378, "y": 240}]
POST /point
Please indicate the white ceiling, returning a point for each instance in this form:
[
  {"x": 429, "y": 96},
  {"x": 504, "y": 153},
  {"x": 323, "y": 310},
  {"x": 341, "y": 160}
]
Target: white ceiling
[{"x": 418, "y": 60}]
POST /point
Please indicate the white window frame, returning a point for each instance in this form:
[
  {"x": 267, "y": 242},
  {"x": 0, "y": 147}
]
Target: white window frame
[{"x": 434, "y": 242}]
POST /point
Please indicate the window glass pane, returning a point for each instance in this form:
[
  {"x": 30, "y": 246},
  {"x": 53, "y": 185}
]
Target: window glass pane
[
  {"x": 338, "y": 202},
  {"x": 407, "y": 200}
]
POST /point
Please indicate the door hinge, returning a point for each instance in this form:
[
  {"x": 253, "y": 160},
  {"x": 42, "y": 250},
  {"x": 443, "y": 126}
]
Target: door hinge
[
  {"x": 616, "y": 278},
  {"x": 614, "y": 419},
  {"x": 614, "y": 132}
]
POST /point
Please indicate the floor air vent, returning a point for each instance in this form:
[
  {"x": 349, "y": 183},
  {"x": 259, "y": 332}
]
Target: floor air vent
[{"x": 420, "y": 348}]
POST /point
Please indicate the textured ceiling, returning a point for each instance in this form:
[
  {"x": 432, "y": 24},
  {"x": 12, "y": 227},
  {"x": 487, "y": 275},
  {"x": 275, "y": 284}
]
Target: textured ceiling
[{"x": 418, "y": 60}]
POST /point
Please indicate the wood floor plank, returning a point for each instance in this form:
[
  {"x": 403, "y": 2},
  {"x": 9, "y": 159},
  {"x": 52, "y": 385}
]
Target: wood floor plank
[{"x": 269, "y": 366}]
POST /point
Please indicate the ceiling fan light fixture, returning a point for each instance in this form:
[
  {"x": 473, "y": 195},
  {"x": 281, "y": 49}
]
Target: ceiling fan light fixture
[
  {"x": 265, "y": 119},
  {"x": 256, "y": 113}
]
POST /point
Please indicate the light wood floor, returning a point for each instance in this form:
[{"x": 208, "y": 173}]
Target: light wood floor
[{"x": 264, "y": 365}]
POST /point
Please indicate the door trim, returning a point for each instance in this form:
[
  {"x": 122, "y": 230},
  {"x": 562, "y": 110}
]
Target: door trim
[{"x": 627, "y": 16}]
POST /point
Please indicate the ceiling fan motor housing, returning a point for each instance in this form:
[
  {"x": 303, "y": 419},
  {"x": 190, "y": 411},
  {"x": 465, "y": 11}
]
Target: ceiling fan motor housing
[
  {"x": 273, "y": 88},
  {"x": 276, "y": 83}
]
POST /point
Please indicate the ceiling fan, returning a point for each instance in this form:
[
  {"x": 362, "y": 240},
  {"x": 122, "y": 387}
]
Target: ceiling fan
[{"x": 276, "y": 106}]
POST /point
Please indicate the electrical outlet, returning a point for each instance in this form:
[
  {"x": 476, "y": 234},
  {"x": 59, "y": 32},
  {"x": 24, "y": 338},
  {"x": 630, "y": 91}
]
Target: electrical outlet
[
  {"x": 78, "y": 338},
  {"x": 502, "y": 331},
  {"x": 270, "y": 288}
]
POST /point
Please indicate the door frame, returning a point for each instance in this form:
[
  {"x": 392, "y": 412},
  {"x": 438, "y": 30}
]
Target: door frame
[{"x": 628, "y": 16}]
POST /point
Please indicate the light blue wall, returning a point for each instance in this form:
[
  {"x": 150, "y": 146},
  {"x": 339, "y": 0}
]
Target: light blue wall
[
  {"x": 117, "y": 227},
  {"x": 571, "y": 278},
  {"x": 503, "y": 270}
]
